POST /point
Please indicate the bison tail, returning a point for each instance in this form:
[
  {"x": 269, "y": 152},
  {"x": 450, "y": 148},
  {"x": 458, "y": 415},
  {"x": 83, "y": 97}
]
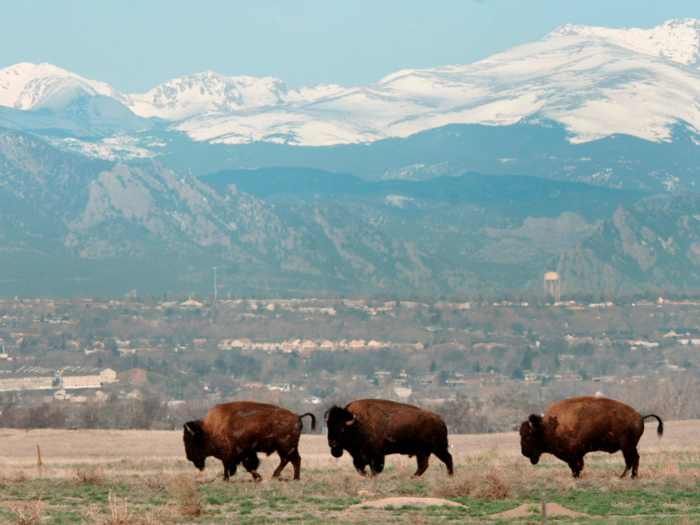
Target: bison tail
[
  {"x": 660, "y": 428},
  {"x": 313, "y": 419}
]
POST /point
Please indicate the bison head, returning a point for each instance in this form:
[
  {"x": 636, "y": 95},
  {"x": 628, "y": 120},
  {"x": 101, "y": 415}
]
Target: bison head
[
  {"x": 195, "y": 446},
  {"x": 531, "y": 438},
  {"x": 342, "y": 425}
]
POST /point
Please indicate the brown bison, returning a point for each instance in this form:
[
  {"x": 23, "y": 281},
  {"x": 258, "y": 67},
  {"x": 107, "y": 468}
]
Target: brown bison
[
  {"x": 373, "y": 428},
  {"x": 573, "y": 427},
  {"x": 236, "y": 432}
]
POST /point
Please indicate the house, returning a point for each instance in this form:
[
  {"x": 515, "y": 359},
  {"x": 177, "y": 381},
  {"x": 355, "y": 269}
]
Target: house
[
  {"x": 191, "y": 304},
  {"x": 327, "y": 346},
  {"x": 307, "y": 347},
  {"x": 134, "y": 394},
  {"x": 284, "y": 387},
  {"x": 241, "y": 344},
  {"x": 375, "y": 344},
  {"x": 356, "y": 344},
  {"x": 60, "y": 395},
  {"x": 108, "y": 375}
]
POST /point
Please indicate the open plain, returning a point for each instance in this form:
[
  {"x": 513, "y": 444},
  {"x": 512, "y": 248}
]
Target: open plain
[{"x": 129, "y": 477}]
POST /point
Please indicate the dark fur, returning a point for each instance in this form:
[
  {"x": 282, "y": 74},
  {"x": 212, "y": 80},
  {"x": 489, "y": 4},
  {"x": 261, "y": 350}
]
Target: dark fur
[
  {"x": 235, "y": 432},
  {"x": 573, "y": 427},
  {"x": 373, "y": 428}
]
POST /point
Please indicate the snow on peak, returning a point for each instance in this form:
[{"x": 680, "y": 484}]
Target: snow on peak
[
  {"x": 677, "y": 40},
  {"x": 595, "y": 81},
  {"x": 207, "y": 92},
  {"x": 212, "y": 93},
  {"x": 34, "y": 86}
]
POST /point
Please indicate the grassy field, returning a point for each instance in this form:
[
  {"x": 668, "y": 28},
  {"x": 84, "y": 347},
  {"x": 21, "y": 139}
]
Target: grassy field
[{"x": 140, "y": 477}]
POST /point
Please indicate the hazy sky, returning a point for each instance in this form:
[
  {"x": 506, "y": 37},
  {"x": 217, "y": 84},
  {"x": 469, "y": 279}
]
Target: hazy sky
[{"x": 135, "y": 45}]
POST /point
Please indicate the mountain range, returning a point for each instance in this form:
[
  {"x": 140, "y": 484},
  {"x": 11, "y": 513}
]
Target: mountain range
[
  {"x": 579, "y": 152},
  {"x": 594, "y": 81},
  {"x": 70, "y": 224}
]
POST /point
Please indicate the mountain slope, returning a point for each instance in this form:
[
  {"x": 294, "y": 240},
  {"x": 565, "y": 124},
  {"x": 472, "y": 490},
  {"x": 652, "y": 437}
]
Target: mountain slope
[
  {"x": 654, "y": 244},
  {"x": 74, "y": 225},
  {"x": 69, "y": 220},
  {"x": 676, "y": 40}
]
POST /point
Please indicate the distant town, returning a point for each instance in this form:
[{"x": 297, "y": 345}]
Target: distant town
[{"x": 313, "y": 351}]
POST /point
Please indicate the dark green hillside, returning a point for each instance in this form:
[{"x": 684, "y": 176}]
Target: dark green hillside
[
  {"x": 535, "y": 147},
  {"x": 508, "y": 195}
]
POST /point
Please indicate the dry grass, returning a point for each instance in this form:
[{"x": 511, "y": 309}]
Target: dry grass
[
  {"x": 27, "y": 513},
  {"x": 18, "y": 476},
  {"x": 90, "y": 475},
  {"x": 119, "y": 514},
  {"x": 488, "y": 468},
  {"x": 495, "y": 486},
  {"x": 189, "y": 504}
]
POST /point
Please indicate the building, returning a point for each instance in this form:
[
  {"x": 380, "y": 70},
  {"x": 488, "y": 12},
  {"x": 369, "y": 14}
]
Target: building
[
  {"x": 28, "y": 378},
  {"x": 71, "y": 377},
  {"x": 327, "y": 346}
]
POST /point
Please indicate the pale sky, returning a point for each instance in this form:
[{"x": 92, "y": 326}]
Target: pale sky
[{"x": 136, "y": 45}]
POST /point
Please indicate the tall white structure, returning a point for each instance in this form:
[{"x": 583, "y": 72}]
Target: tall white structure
[{"x": 552, "y": 285}]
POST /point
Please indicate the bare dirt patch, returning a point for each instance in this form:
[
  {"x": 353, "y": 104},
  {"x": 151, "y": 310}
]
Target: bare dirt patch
[{"x": 553, "y": 509}]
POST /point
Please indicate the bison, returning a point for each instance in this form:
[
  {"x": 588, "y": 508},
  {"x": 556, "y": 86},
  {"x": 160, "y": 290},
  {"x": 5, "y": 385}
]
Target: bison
[
  {"x": 236, "y": 432},
  {"x": 573, "y": 427},
  {"x": 371, "y": 429}
]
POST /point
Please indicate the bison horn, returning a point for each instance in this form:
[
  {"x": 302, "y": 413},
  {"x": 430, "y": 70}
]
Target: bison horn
[
  {"x": 189, "y": 430},
  {"x": 325, "y": 416},
  {"x": 352, "y": 421},
  {"x": 532, "y": 427}
]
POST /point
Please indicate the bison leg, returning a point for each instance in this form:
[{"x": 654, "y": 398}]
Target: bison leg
[
  {"x": 576, "y": 467},
  {"x": 280, "y": 468},
  {"x": 251, "y": 464},
  {"x": 446, "y": 458},
  {"x": 286, "y": 457},
  {"x": 422, "y": 463},
  {"x": 359, "y": 466},
  {"x": 631, "y": 462},
  {"x": 230, "y": 468},
  {"x": 376, "y": 465},
  {"x": 295, "y": 458}
]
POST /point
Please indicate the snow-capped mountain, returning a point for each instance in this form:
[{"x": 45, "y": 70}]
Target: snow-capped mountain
[
  {"x": 594, "y": 81},
  {"x": 47, "y": 99},
  {"x": 44, "y": 86},
  {"x": 677, "y": 40},
  {"x": 211, "y": 93}
]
